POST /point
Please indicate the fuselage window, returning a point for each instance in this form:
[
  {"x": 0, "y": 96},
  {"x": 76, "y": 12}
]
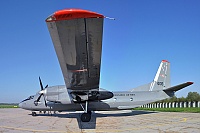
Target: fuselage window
[
  {"x": 131, "y": 99},
  {"x": 115, "y": 99}
]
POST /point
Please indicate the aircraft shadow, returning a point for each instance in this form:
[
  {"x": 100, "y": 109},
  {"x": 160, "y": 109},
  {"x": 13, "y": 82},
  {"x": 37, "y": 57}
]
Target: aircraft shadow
[
  {"x": 92, "y": 123},
  {"x": 131, "y": 113}
]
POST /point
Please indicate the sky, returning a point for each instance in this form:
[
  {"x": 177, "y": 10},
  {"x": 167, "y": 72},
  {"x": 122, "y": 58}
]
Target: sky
[{"x": 142, "y": 35}]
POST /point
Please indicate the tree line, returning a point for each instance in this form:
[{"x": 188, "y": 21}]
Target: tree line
[{"x": 192, "y": 96}]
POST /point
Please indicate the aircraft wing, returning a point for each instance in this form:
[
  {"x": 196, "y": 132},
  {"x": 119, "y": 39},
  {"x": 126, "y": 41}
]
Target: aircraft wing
[{"x": 77, "y": 39}]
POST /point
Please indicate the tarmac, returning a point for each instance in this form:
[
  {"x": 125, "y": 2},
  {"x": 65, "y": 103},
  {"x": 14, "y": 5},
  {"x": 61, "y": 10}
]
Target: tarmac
[{"x": 18, "y": 120}]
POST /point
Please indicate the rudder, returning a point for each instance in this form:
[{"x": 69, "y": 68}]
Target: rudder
[{"x": 162, "y": 78}]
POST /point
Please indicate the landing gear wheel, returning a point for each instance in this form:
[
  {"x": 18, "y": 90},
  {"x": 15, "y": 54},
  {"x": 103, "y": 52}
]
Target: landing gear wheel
[
  {"x": 34, "y": 114},
  {"x": 85, "y": 117},
  {"x": 90, "y": 112}
]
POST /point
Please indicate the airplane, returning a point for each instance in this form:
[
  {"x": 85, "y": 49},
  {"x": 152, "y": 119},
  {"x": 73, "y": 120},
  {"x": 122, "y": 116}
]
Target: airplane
[{"x": 77, "y": 38}]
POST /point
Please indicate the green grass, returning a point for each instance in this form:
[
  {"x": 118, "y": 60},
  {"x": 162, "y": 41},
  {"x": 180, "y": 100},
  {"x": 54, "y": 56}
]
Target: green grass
[
  {"x": 189, "y": 110},
  {"x": 8, "y": 106}
]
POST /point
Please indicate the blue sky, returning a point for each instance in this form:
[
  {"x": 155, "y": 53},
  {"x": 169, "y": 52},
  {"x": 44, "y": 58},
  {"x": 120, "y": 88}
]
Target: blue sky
[{"x": 144, "y": 33}]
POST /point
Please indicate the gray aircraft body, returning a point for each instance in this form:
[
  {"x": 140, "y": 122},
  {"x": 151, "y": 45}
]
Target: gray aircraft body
[{"x": 77, "y": 39}]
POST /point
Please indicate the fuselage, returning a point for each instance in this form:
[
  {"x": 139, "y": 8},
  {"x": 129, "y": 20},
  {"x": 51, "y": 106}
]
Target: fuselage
[{"x": 120, "y": 100}]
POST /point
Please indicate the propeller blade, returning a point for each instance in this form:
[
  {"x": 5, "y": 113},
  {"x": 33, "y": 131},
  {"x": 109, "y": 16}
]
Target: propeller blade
[
  {"x": 45, "y": 101},
  {"x": 39, "y": 98},
  {"x": 42, "y": 88},
  {"x": 36, "y": 101},
  {"x": 46, "y": 86},
  {"x": 41, "y": 84}
]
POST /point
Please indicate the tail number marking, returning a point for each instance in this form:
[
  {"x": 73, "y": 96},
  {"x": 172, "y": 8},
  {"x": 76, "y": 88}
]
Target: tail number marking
[{"x": 160, "y": 83}]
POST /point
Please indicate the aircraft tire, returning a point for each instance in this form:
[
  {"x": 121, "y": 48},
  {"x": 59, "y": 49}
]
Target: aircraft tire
[
  {"x": 34, "y": 114},
  {"x": 90, "y": 112},
  {"x": 85, "y": 117}
]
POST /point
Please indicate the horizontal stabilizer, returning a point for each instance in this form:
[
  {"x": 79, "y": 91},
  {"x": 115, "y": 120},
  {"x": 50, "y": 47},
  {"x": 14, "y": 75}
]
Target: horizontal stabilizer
[{"x": 178, "y": 87}]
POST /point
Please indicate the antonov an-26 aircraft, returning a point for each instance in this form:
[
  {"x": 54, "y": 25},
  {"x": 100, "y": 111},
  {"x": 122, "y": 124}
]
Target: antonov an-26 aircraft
[{"x": 77, "y": 39}]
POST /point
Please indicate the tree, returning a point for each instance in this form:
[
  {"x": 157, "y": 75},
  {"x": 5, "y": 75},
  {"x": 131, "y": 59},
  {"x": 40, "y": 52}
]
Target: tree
[
  {"x": 181, "y": 99},
  {"x": 193, "y": 96},
  {"x": 173, "y": 99}
]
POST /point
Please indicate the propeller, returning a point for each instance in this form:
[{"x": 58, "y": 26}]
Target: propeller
[
  {"x": 41, "y": 86},
  {"x": 41, "y": 93}
]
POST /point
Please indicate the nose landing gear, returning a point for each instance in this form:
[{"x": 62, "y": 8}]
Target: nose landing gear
[{"x": 34, "y": 114}]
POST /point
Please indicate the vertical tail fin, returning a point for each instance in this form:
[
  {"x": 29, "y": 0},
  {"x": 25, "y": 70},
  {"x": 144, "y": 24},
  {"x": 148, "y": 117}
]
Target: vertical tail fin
[{"x": 162, "y": 78}]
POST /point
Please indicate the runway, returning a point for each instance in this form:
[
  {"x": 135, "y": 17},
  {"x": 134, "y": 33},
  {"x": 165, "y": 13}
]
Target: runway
[{"x": 19, "y": 120}]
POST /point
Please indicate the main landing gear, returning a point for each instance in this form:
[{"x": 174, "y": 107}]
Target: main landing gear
[{"x": 86, "y": 116}]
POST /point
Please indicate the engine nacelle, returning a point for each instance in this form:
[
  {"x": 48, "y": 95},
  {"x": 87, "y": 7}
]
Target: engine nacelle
[
  {"x": 58, "y": 94},
  {"x": 80, "y": 96},
  {"x": 103, "y": 95}
]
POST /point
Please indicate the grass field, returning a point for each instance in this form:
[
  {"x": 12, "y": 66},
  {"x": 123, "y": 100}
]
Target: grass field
[
  {"x": 9, "y": 106},
  {"x": 190, "y": 110}
]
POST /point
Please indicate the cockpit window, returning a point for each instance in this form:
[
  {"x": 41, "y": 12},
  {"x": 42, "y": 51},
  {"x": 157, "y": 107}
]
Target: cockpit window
[{"x": 29, "y": 98}]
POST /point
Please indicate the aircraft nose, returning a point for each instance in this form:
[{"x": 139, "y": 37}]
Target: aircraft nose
[{"x": 20, "y": 105}]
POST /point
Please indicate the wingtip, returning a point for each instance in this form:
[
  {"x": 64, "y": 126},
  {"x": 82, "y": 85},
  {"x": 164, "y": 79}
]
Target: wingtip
[
  {"x": 165, "y": 61},
  {"x": 72, "y": 13},
  {"x": 190, "y": 83}
]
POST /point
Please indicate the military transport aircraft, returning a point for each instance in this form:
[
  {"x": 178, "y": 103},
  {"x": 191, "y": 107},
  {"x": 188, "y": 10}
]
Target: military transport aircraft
[{"x": 77, "y": 39}]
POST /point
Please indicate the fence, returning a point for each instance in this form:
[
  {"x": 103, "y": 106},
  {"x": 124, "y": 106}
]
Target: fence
[{"x": 173, "y": 105}]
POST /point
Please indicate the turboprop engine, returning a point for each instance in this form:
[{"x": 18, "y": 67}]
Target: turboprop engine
[
  {"x": 61, "y": 95},
  {"x": 58, "y": 94}
]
